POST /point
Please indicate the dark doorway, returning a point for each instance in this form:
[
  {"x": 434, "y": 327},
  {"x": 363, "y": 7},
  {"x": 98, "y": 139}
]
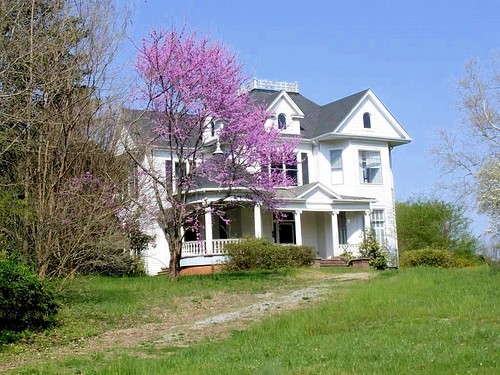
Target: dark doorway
[{"x": 284, "y": 230}]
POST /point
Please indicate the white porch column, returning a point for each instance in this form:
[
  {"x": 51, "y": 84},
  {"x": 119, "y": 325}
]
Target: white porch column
[
  {"x": 368, "y": 223},
  {"x": 208, "y": 232},
  {"x": 257, "y": 219},
  {"x": 298, "y": 227},
  {"x": 335, "y": 233}
]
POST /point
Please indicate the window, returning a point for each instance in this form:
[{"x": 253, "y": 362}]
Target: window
[
  {"x": 336, "y": 165},
  {"x": 291, "y": 172},
  {"x": 134, "y": 182},
  {"x": 168, "y": 169},
  {"x": 277, "y": 168},
  {"x": 378, "y": 225},
  {"x": 369, "y": 167},
  {"x": 180, "y": 170},
  {"x": 281, "y": 121},
  {"x": 177, "y": 171},
  {"x": 342, "y": 228},
  {"x": 212, "y": 128},
  {"x": 290, "y": 169},
  {"x": 367, "y": 122},
  {"x": 305, "y": 168}
]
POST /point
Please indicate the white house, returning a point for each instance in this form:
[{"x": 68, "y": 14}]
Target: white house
[{"x": 343, "y": 173}]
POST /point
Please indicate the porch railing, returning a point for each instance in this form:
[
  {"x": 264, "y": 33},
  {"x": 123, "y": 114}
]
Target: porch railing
[
  {"x": 199, "y": 248},
  {"x": 352, "y": 248}
]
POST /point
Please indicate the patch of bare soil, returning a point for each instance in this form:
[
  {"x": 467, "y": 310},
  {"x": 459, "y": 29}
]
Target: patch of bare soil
[{"x": 196, "y": 319}]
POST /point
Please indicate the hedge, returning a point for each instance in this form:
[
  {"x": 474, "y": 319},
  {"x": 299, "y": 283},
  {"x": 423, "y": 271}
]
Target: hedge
[{"x": 257, "y": 253}]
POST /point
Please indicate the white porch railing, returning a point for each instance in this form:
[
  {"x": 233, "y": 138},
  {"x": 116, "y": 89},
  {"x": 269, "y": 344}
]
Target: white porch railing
[
  {"x": 199, "y": 248},
  {"x": 352, "y": 248}
]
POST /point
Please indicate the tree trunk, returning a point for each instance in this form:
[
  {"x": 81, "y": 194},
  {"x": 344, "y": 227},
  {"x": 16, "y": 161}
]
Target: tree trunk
[
  {"x": 42, "y": 270},
  {"x": 175, "y": 249}
]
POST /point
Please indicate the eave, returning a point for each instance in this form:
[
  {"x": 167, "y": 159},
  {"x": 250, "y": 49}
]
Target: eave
[{"x": 393, "y": 142}]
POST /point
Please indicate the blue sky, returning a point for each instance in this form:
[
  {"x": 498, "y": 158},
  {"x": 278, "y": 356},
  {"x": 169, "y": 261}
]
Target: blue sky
[{"x": 409, "y": 53}]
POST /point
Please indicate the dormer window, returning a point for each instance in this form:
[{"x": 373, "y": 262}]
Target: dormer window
[
  {"x": 367, "y": 122},
  {"x": 281, "y": 121}
]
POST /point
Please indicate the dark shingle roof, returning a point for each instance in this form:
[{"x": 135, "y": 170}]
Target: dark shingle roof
[
  {"x": 142, "y": 128},
  {"x": 332, "y": 114},
  {"x": 317, "y": 119}
]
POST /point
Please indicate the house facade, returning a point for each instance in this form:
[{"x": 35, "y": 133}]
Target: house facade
[{"x": 343, "y": 173}]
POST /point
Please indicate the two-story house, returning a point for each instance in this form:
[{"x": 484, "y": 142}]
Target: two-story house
[{"x": 343, "y": 173}]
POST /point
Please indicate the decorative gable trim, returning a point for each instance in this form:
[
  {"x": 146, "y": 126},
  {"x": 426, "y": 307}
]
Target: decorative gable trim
[
  {"x": 284, "y": 96},
  {"x": 354, "y": 109},
  {"x": 318, "y": 186},
  {"x": 370, "y": 96}
]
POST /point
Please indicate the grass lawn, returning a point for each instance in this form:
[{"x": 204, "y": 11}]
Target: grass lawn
[{"x": 422, "y": 320}]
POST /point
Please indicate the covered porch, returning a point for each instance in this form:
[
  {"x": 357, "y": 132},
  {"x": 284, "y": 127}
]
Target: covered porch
[
  {"x": 330, "y": 233},
  {"x": 310, "y": 215}
]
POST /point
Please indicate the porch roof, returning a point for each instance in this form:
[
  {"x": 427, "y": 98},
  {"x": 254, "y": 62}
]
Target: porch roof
[
  {"x": 314, "y": 193},
  {"x": 301, "y": 193}
]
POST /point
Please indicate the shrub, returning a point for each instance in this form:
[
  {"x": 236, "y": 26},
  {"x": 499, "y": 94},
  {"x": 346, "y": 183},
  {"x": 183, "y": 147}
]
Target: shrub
[
  {"x": 467, "y": 258},
  {"x": 370, "y": 248},
  {"x": 114, "y": 263},
  {"x": 440, "y": 258},
  {"x": 427, "y": 257},
  {"x": 255, "y": 253},
  {"x": 26, "y": 302}
]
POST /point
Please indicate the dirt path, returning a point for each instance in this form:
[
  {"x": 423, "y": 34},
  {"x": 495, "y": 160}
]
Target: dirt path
[{"x": 193, "y": 321}]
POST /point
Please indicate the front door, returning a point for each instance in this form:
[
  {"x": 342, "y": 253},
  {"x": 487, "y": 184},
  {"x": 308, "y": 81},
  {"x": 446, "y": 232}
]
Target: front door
[
  {"x": 286, "y": 233},
  {"x": 284, "y": 230}
]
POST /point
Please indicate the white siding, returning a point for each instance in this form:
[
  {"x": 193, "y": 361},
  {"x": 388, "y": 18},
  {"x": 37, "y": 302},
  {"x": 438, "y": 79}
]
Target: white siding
[{"x": 380, "y": 122}]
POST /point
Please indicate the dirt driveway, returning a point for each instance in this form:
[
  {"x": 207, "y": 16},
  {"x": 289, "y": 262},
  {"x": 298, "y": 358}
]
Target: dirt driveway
[{"x": 193, "y": 321}]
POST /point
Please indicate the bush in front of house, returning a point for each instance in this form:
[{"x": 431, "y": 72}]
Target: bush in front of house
[
  {"x": 256, "y": 253},
  {"x": 26, "y": 301},
  {"x": 370, "y": 248},
  {"x": 439, "y": 258},
  {"x": 427, "y": 257}
]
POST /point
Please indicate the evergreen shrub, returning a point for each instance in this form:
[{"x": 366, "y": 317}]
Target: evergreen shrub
[
  {"x": 370, "y": 248},
  {"x": 26, "y": 301}
]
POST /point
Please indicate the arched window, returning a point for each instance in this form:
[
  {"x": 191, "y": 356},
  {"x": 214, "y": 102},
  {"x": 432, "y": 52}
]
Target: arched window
[
  {"x": 281, "y": 121},
  {"x": 367, "y": 122}
]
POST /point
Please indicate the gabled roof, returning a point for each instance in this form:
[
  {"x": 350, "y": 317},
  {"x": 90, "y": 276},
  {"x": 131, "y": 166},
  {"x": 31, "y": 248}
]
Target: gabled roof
[
  {"x": 301, "y": 192},
  {"x": 317, "y": 119},
  {"x": 332, "y": 114}
]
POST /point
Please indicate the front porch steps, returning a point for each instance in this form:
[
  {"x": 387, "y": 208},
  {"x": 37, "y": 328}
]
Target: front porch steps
[
  {"x": 163, "y": 272},
  {"x": 332, "y": 262}
]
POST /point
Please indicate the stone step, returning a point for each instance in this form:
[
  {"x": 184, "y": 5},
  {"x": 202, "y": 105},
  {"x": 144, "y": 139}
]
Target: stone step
[
  {"x": 332, "y": 262},
  {"x": 163, "y": 272}
]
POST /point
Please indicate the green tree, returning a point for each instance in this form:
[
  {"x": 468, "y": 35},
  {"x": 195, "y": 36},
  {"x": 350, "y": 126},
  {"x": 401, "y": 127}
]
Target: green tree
[{"x": 427, "y": 222}]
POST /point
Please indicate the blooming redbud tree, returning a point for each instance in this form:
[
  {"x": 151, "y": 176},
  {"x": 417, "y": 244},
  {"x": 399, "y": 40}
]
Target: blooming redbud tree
[{"x": 187, "y": 83}]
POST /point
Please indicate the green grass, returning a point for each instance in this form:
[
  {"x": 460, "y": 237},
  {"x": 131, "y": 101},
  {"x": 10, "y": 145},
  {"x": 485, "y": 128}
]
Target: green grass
[
  {"x": 92, "y": 305},
  {"x": 421, "y": 320}
]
